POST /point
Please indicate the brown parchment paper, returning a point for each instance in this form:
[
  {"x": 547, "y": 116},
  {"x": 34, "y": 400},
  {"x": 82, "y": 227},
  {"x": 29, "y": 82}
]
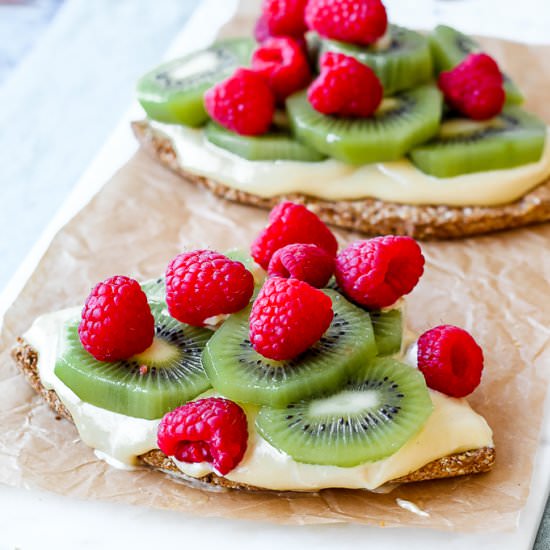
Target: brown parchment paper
[{"x": 496, "y": 286}]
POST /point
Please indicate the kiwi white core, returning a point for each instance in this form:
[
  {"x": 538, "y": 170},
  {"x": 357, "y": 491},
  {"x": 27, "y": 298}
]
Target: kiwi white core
[
  {"x": 159, "y": 353},
  {"x": 200, "y": 63},
  {"x": 345, "y": 403}
]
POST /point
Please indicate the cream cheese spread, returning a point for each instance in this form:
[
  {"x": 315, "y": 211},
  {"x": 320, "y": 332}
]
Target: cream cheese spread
[
  {"x": 453, "y": 427},
  {"x": 397, "y": 181}
]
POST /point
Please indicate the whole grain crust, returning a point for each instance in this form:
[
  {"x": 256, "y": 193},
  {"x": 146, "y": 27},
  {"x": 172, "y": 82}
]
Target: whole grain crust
[
  {"x": 469, "y": 462},
  {"x": 372, "y": 216}
]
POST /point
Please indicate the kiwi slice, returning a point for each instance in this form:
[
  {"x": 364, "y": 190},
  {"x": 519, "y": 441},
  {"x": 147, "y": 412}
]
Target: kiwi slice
[
  {"x": 463, "y": 146},
  {"x": 388, "y": 330},
  {"x": 148, "y": 385},
  {"x": 240, "y": 373},
  {"x": 400, "y": 123},
  {"x": 401, "y": 60},
  {"x": 173, "y": 92},
  {"x": 368, "y": 419},
  {"x": 275, "y": 145},
  {"x": 449, "y": 47}
]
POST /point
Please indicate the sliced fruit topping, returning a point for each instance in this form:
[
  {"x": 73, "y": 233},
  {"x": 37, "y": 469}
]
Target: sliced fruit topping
[
  {"x": 173, "y": 92},
  {"x": 242, "y": 103},
  {"x": 400, "y": 123},
  {"x": 355, "y": 21},
  {"x": 212, "y": 430},
  {"x": 237, "y": 371},
  {"x": 450, "y": 360},
  {"x": 375, "y": 273},
  {"x": 474, "y": 87},
  {"x": 401, "y": 60},
  {"x": 345, "y": 87},
  {"x": 463, "y": 146},
  {"x": 147, "y": 385},
  {"x": 388, "y": 330},
  {"x": 284, "y": 17},
  {"x": 291, "y": 223},
  {"x": 283, "y": 63},
  {"x": 306, "y": 262},
  {"x": 370, "y": 418},
  {"x": 202, "y": 284},
  {"x": 288, "y": 317},
  {"x": 116, "y": 321},
  {"x": 449, "y": 47},
  {"x": 277, "y": 144}
]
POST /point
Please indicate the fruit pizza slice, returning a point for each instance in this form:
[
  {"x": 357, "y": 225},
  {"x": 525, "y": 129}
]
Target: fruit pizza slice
[
  {"x": 287, "y": 370},
  {"x": 375, "y": 127}
]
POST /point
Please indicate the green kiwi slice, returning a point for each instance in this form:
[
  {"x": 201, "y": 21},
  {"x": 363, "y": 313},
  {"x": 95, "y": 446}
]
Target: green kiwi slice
[
  {"x": 401, "y": 60},
  {"x": 388, "y": 330},
  {"x": 370, "y": 418},
  {"x": 463, "y": 146},
  {"x": 400, "y": 123},
  {"x": 449, "y": 47},
  {"x": 148, "y": 385},
  {"x": 173, "y": 92},
  {"x": 275, "y": 145},
  {"x": 240, "y": 373}
]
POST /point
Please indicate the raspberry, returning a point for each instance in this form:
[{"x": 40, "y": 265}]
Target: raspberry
[
  {"x": 345, "y": 87},
  {"x": 375, "y": 273},
  {"x": 291, "y": 223},
  {"x": 356, "y": 21},
  {"x": 288, "y": 317},
  {"x": 261, "y": 32},
  {"x": 450, "y": 360},
  {"x": 307, "y": 262},
  {"x": 284, "y": 17},
  {"x": 203, "y": 283},
  {"x": 213, "y": 430},
  {"x": 243, "y": 103},
  {"x": 282, "y": 62},
  {"x": 474, "y": 87},
  {"x": 116, "y": 320}
]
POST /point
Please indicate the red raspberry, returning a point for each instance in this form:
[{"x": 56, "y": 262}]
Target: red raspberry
[
  {"x": 213, "y": 430},
  {"x": 282, "y": 62},
  {"x": 345, "y": 87},
  {"x": 288, "y": 317},
  {"x": 307, "y": 262},
  {"x": 291, "y": 223},
  {"x": 355, "y": 21},
  {"x": 450, "y": 360},
  {"x": 243, "y": 103},
  {"x": 261, "y": 32},
  {"x": 284, "y": 17},
  {"x": 475, "y": 87},
  {"x": 203, "y": 283},
  {"x": 116, "y": 320},
  {"x": 377, "y": 272}
]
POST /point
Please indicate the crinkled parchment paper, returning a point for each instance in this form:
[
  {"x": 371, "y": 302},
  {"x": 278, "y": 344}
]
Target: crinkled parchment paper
[{"x": 493, "y": 286}]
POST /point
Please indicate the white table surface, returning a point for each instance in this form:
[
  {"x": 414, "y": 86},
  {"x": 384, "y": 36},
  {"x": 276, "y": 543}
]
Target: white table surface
[{"x": 33, "y": 519}]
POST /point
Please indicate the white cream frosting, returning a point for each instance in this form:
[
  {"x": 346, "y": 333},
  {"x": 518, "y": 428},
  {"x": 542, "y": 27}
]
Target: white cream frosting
[
  {"x": 452, "y": 427},
  {"x": 397, "y": 181}
]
